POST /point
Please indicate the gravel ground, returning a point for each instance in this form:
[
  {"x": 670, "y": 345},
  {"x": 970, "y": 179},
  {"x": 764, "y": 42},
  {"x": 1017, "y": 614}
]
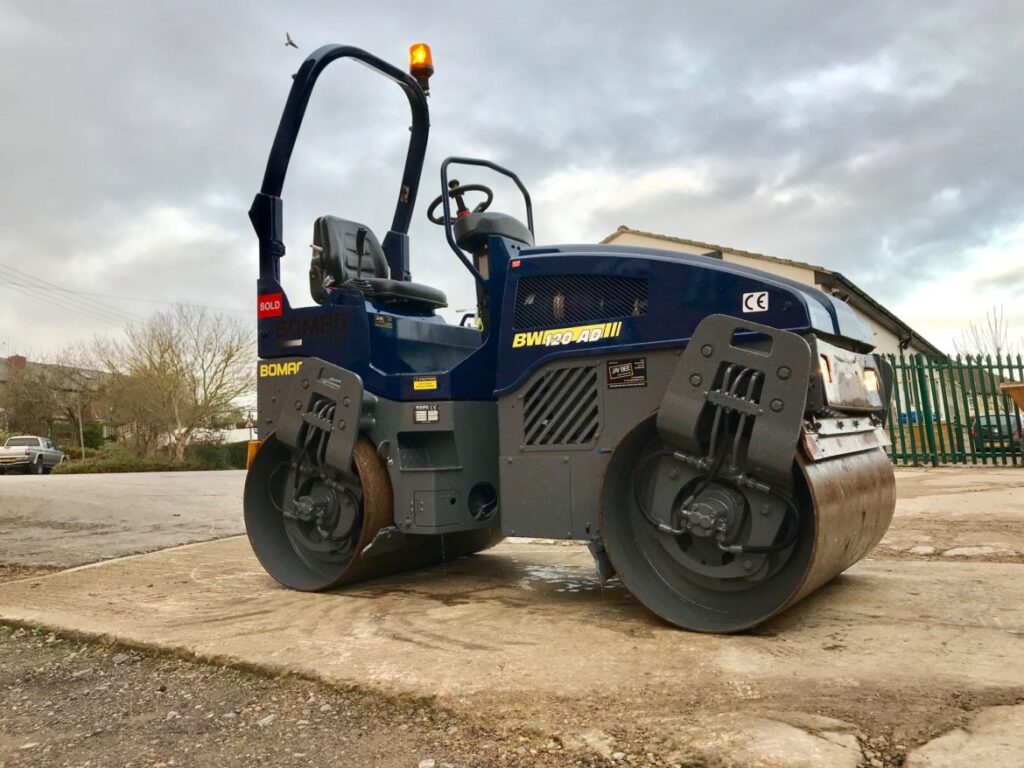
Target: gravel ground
[
  {"x": 67, "y": 702},
  {"x": 9, "y": 572}
]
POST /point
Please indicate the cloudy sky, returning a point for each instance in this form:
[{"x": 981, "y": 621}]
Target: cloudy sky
[{"x": 883, "y": 140}]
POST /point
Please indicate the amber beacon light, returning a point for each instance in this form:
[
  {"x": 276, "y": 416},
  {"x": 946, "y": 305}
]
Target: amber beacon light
[{"x": 421, "y": 64}]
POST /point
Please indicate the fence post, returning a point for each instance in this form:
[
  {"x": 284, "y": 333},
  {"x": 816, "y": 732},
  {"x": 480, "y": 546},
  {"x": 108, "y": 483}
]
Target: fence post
[
  {"x": 908, "y": 401},
  {"x": 998, "y": 456},
  {"x": 977, "y": 382},
  {"x": 892, "y": 414},
  {"x": 956, "y": 428},
  {"x": 933, "y": 393},
  {"x": 960, "y": 364},
  {"x": 895, "y": 424},
  {"x": 1008, "y": 411},
  {"x": 1018, "y": 413},
  {"x": 929, "y": 437}
]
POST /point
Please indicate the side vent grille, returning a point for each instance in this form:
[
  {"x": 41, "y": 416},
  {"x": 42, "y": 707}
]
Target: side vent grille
[
  {"x": 561, "y": 408},
  {"x": 568, "y": 299}
]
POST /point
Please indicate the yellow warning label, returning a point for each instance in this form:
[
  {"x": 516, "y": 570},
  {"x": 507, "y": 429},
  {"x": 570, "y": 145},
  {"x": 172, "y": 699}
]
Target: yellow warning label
[
  {"x": 279, "y": 369},
  {"x": 424, "y": 382},
  {"x": 578, "y": 334}
]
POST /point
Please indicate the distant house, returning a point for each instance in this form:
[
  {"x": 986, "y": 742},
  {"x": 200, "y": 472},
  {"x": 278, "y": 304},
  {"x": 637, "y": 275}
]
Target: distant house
[
  {"x": 892, "y": 335},
  {"x": 67, "y": 380},
  {"x": 83, "y": 377}
]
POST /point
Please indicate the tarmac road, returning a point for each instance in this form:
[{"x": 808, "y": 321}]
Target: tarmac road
[{"x": 67, "y": 520}]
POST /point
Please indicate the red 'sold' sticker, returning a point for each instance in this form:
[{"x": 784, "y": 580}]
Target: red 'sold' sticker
[{"x": 270, "y": 305}]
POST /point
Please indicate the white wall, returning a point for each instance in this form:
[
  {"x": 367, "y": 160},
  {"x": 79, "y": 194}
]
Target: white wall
[{"x": 224, "y": 436}]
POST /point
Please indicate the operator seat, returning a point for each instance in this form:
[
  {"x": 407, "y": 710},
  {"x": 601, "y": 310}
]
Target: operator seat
[{"x": 337, "y": 263}]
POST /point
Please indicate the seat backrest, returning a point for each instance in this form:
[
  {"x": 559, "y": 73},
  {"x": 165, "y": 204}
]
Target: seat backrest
[
  {"x": 335, "y": 252},
  {"x": 472, "y": 231}
]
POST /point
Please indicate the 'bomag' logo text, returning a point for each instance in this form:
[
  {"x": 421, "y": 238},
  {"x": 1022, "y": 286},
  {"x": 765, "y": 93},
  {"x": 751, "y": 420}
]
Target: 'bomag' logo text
[
  {"x": 575, "y": 335},
  {"x": 279, "y": 369}
]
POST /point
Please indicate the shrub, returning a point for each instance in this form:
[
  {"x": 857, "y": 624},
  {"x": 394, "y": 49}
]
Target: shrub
[
  {"x": 117, "y": 457},
  {"x": 218, "y": 455},
  {"x": 114, "y": 457},
  {"x": 92, "y": 431},
  {"x": 74, "y": 452},
  {"x": 238, "y": 454},
  {"x": 129, "y": 464}
]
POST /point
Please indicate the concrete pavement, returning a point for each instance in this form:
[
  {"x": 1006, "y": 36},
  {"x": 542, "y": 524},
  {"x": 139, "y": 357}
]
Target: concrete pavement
[
  {"x": 524, "y": 633},
  {"x": 904, "y": 647},
  {"x": 973, "y": 512}
]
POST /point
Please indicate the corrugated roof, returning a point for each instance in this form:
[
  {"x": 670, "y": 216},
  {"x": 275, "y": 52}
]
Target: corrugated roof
[{"x": 828, "y": 278}]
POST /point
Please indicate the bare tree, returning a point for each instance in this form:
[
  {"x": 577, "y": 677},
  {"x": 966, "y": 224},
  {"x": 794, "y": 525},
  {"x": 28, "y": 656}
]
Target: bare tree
[
  {"x": 74, "y": 387},
  {"x": 991, "y": 337},
  {"x": 129, "y": 405},
  {"x": 181, "y": 371}
]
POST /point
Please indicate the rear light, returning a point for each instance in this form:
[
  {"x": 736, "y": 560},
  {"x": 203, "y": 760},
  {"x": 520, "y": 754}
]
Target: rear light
[{"x": 974, "y": 431}]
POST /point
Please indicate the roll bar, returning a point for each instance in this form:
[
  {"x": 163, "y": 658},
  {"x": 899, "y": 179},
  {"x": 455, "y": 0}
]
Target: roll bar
[{"x": 266, "y": 213}]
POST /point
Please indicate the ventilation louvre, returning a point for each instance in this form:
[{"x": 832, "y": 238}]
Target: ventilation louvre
[
  {"x": 568, "y": 299},
  {"x": 561, "y": 408}
]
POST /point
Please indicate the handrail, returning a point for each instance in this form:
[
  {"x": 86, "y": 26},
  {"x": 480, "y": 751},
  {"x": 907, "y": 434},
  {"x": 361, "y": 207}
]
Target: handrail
[{"x": 449, "y": 235}]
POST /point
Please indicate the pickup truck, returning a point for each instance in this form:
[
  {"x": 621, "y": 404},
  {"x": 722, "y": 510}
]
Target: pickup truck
[{"x": 31, "y": 454}]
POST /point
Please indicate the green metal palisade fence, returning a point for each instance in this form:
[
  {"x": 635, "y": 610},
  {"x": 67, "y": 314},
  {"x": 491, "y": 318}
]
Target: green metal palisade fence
[{"x": 950, "y": 410}]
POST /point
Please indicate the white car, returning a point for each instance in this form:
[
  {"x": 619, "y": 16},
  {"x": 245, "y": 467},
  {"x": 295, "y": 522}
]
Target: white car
[{"x": 30, "y": 454}]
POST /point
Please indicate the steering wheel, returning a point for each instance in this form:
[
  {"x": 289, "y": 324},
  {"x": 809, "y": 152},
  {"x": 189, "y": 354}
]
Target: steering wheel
[{"x": 456, "y": 191}]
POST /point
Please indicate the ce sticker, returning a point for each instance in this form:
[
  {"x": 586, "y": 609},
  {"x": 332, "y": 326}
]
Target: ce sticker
[{"x": 755, "y": 302}]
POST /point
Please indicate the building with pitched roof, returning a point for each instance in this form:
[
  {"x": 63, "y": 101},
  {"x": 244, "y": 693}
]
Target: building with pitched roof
[{"x": 892, "y": 335}]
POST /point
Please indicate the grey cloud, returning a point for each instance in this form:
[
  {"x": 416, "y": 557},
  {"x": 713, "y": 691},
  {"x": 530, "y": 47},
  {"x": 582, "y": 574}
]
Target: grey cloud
[
  {"x": 120, "y": 110},
  {"x": 1011, "y": 280}
]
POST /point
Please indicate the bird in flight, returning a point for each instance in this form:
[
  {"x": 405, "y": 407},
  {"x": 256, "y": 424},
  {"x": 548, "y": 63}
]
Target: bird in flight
[{"x": 289, "y": 41}]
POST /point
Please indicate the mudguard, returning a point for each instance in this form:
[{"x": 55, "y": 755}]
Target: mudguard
[
  {"x": 784, "y": 359},
  {"x": 307, "y": 401}
]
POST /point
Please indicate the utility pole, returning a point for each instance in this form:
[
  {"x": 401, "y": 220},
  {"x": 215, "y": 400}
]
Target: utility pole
[{"x": 81, "y": 428}]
